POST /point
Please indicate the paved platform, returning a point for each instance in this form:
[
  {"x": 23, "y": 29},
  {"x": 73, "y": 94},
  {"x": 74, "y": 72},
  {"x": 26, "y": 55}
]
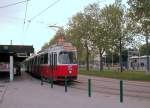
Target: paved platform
[
  {"x": 2, "y": 91},
  {"x": 26, "y": 92}
]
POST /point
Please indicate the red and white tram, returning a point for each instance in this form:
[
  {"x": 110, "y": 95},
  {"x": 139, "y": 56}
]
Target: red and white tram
[{"x": 57, "y": 62}]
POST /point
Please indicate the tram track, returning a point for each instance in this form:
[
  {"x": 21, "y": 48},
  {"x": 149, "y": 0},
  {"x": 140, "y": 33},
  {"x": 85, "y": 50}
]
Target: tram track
[
  {"x": 132, "y": 89},
  {"x": 127, "y": 88}
]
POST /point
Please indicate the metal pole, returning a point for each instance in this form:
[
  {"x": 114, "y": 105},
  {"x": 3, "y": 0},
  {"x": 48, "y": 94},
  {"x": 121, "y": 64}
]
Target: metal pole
[
  {"x": 120, "y": 57},
  {"x": 41, "y": 80},
  {"x": 51, "y": 82},
  {"x": 11, "y": 74},
  {"x": 66, "y": 84},
  {"x": 128, "y": 60},
  {"x": 52, "y": 70},
  {"x": 121, "y": 91},
  {"x": 147, "y": 53},
  {"x": 89, "y": 87}
]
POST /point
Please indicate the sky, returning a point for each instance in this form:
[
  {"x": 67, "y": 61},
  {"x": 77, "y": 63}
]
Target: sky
[{"x": 37, "y": 32}]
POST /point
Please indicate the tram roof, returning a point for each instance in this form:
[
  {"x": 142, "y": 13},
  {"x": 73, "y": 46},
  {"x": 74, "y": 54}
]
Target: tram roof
[
  {"x": 55, "y": 47},
  {"x": 58, "y": 47}
]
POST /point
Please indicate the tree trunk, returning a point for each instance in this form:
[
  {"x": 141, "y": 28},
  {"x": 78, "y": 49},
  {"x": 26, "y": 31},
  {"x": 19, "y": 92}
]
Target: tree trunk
[
  {"x": 120, "y": 57},
  {"x": 147, "y": 53},
  {"x": 112, "y": 60},
  {"x": 101, "y": 61},
  {"x": 87, "y": 58}
]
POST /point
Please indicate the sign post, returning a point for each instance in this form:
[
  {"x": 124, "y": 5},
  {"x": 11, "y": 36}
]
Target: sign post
[{"x": 11, "y": 74}]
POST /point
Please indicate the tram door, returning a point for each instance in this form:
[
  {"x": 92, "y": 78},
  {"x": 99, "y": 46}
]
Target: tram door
[
  {"x": 38, "y": 66},
  {"x": 53, "y": 63}
]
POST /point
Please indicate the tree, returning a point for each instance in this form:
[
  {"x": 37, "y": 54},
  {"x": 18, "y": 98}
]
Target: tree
[
  {"x": 46, "y": 45},
  {"x": 143, "y": 49},
  {"x": 140, "y": 20},
  {"x": 79, "y": 25},
  {"x": 102, "y": 29},
  {"x": 60, "y": 32},
  {"x": 99, "y": 36},
  {"x": 113, "y": 23},
  {"x": 75, "y": 39}
]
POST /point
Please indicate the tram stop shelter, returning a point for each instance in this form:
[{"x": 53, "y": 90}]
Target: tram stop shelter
[{"x": 12, "y": 55}]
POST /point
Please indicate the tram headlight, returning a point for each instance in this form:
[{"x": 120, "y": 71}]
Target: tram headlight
[{"x": 70, "y": 71}]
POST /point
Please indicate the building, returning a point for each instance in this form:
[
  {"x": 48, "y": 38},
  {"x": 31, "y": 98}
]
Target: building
[
  {"x": 12, "y": 55},
  {"x": 138, "y": 63}
]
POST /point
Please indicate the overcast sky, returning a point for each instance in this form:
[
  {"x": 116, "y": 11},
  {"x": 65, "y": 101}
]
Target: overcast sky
[{"x": 37, "y": 32}]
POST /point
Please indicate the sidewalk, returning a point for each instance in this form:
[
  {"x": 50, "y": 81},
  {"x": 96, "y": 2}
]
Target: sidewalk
[
  {"x": 2, "y": 91},
  {"x": 28, "y": 93}
]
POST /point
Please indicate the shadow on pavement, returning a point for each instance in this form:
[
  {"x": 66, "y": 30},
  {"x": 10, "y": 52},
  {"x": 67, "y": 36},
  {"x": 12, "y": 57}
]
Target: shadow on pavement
[{"x": 4, "y": 77}]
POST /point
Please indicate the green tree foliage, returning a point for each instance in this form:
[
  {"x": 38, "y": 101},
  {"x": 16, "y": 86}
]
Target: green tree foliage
[
  {"x": 99, "y": 37},
  {"x": 75, "y": 39},
  {"x": 115, "y": 55},
  {"x": 99, "y": 29},
  {"x": 95, "y": 31},
  {"x": 140, "y": 20},
  {"x": 46, "y": 45},
  {"x": 60, "y": 32},
  {"x": 140, "y": 15},
  {"x": 143, "y": 49},
  {"x": 115, "y": 26},
  {"x": 79, "y": 27}
]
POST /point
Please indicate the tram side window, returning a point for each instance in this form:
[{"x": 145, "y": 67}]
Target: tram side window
[
  {"x": 35, "y": 60},
  {"x": 53, "y": 59},
  {"x": 50, "y": 59},
  {"x": 32, "y": 61},
  {"x": 46, "y": 58},
  {"x": 42, "y": 60},
  {"x": 39, "y": 59}
]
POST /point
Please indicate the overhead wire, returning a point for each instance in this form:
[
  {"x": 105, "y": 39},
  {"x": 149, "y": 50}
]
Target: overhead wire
[
  {"x": 29, "y": 20},
  {"x": 26, "y": 10},
  {"x": 13, "y": 4},
  {"x": 21, "y": 19},
  {"x": 32, "y": 18},
  {"x": 25, "y": 14},
  {"x": 51, "y": 5}
]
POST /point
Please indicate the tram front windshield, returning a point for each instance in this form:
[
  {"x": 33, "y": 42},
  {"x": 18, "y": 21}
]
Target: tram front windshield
[{"x": 67, "y": 58}]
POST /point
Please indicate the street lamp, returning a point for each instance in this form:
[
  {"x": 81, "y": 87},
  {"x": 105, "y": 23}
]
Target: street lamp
[
  {"x": 56, "y": 26},
  {"x": 59, "y": 27},
  {"x": 60, "y": 38}
]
